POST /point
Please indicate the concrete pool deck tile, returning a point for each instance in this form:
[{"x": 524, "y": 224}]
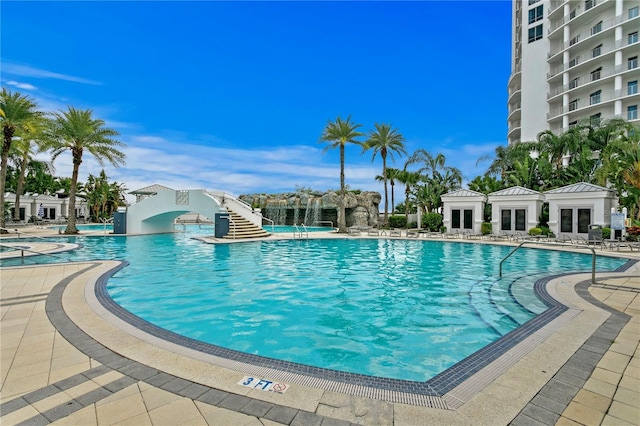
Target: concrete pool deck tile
[
  {"x": 178, "y": 412},
  {"x": 625, "y": 412}
]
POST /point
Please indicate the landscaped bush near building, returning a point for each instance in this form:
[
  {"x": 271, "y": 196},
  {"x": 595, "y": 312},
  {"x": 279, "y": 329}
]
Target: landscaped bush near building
[
  {"x": 606, "y": 233},
  {"x": 535, "y": 231},
  {"x": 546, "y": 231},
  {"x": 397, "y": 221},
  {"x": 486, "y": 228},
  {"x": 432, "y": 221}
]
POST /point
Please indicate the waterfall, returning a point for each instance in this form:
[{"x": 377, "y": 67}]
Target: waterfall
[
  {"x": 277, "y": 211},
  {"x": 296, "y": 212},
  {"x": 314, "y": 212}
]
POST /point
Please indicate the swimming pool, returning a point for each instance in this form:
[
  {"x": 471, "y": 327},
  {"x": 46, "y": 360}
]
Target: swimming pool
[
  {"x": 278, "y": 229},
  {"x": 401, "y": 309},
  {"x": 88, "y": 227}
]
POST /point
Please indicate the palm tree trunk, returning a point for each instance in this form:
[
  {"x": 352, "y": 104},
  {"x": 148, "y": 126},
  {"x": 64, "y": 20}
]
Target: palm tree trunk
[
  {"x": 20, "y": 186},
  {"x": 6, "y": 145},
  {"x": 393, "y": 204},
  {"x": 71, "y": 220},
  {"x": 386, "y": 194},
  {"x": 342, "y": 222}
]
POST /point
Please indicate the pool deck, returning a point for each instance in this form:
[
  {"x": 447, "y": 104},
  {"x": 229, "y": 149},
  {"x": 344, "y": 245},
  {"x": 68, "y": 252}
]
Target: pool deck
[{"x": 67, "y": 360}]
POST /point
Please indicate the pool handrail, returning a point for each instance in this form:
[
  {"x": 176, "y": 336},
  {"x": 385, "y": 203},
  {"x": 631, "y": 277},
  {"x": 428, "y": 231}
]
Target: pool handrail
[
  {"x": 593, "y": 255},
  {"x": 15, "y": 231},
  {"x": 272, "y": 223},
  {"x": 297, "y": 232},
  {"x": 22, "y": 250}
]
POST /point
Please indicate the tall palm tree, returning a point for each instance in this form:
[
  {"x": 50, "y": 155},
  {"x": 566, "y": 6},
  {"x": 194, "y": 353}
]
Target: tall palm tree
[
  {"x": 30, "y": 143},
  {"x": 76, "y": 131},
  {"x": 385, "y": 140},
  {"x": 339, "y": 133},
  {"x": 17, "y": 112}
]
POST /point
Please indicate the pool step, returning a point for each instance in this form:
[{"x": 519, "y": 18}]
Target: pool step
[
  {"x": 241, "y": 228},
  {"x": 494, "y": 303}
]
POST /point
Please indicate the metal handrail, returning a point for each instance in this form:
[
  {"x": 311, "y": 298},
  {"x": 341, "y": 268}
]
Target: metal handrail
[
  {"x": 22, "y": 250},
  {"x": 593, "y": 255},
  {"x": 8, "y": 231},
  {"x": 299, "y": 232},
  {"x": 231, "y": 222},
  {"x": 273, "y": 224}
]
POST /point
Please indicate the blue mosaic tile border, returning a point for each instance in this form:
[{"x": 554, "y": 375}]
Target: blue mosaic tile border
[{"x": 436, "y": 386}]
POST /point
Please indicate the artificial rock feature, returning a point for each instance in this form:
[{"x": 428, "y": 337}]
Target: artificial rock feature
[{"x": 313, "y": 208}]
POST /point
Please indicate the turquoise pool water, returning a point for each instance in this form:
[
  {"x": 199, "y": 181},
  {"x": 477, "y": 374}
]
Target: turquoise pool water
[
  {"x": 404, "y": 309},
  {"x": 286, "y": 228},
  {"x": 88, "y": 227}
]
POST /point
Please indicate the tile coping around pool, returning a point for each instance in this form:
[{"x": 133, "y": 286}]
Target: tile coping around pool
[{"x": 448, "y": 390}]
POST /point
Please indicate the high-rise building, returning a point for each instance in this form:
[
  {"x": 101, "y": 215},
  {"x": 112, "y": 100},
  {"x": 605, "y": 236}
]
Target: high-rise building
[{"x": 572, "y": 60}]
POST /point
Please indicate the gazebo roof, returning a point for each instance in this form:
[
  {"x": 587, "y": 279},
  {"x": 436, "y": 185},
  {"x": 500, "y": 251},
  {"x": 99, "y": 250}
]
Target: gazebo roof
[
  {"x": 578, "y": 187},
  {"x": 150, "y": 190},
  {"x": 515, "y": 190},
  {"x": 463, "y": 193}
]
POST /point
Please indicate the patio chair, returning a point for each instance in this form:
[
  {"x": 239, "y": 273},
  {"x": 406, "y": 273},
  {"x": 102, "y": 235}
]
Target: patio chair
[
  {"x": 395, "y": 233},
  {"x": 412, "y": 233}
]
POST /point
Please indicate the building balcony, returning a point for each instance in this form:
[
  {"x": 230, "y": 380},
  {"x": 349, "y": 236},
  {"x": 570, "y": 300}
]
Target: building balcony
[
  {"x": 576, "y": 14},
  {"x": 578, "y": 39},
  {"x": 586, "y": 103},
  {"x": 514, "y": 129},
  {"x": 578, "y": 61}
]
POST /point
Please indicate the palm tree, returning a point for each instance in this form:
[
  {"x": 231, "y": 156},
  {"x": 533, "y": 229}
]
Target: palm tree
[
  {"x": 30, "y": 143},
  {"x": 76, "y": 130},
  {"x": 392, "y": 176},
  {"x": 17, "y": 112},
  {"x": 386, "y": 141},
  {"x": 410, "y": 179},
  {"x": 338, "y": 134}
]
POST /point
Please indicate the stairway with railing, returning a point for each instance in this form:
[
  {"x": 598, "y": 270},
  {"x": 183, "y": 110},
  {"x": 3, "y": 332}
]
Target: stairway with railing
[{"x": 242, "y": 228}]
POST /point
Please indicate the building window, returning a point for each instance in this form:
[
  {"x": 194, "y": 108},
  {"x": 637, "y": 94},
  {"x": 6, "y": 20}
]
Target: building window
[
  {"x": 468, "y": 219},
  {"x": 574, "y": 83},
  {"x": 535, "y": 14},
  {"x": 574, "y": 40},
  {"x": 633, "y": 62},
  {"x": 584, "y": 220},
  {"x": 533, "y": 2},
  {"x": 589, "y": 4},
  {"x": 573, "y": 124},
  {"x": 573, "y": 105},
  {"x": 633, "y": 38},
  {"x": 633, "y": 12},
  {"x": 595, "y": 119},
  {"x": 632, "y": 112},
  {"x": 566, "y": 220},
  {"x": 632, "y": 87},
  {"x": 595, "y": 74},
  {"x": 455, "y": 219},
  {"x": 597, "y": 51},
  {"x": 505, "y": 216},
  {"x": 594, "y": 98},
  {"x": 596, "y": 28},
  {"x": 535, "y": 33}
]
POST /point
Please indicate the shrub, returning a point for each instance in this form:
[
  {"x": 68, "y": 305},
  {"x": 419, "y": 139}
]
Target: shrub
[
  {"x": 546, "y": 231},
  {"x": 443, "y": 229},
  {"x": 606, "y": 233},
  {"x": 397, "y": 221},
  {"x": 432, "y": 221},
  {"x": 412, "y": 225},
  {"x": 535, "y": 231},
  {"x": 486, "y": 228}
]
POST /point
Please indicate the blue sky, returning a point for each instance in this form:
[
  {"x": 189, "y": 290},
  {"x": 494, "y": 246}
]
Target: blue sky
[{"x": 234, "y": 95}]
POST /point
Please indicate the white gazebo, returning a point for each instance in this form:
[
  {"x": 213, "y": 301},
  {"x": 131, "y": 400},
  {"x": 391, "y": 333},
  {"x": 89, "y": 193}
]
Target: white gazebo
[
  {"x": 463, "y": 211},
  {"x": 515, "y": 209},
  {"x": 573, "y": 209}
]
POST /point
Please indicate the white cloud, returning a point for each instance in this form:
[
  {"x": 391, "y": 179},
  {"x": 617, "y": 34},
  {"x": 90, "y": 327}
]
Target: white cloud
[
  {"x": 27, "y": 71},
  {"x": 23, "y": 86}
]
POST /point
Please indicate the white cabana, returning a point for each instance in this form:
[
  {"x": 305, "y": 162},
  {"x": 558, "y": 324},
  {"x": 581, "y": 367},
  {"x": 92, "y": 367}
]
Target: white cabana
[
  {"x": 573, "y": 209},
  {"x": 463, "y": 211},
  {"x": 515, "y": 209}
]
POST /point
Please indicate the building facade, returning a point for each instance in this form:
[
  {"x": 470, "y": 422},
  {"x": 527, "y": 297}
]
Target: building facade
[{"x": 572, "y": 60}]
